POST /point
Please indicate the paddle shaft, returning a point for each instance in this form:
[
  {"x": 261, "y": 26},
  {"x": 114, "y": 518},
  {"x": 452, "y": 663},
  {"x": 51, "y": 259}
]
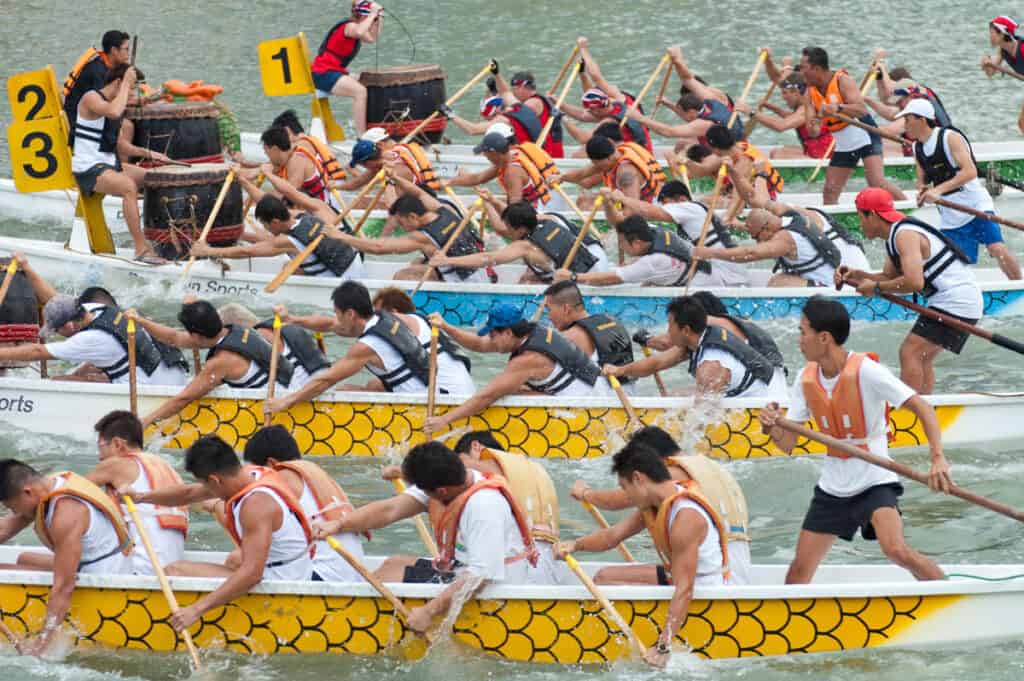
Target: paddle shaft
[
  {"x": 647, "y": 86},
  {"x": 953, "y": 206},
  {"x": 249, "y": 201},
  {"x": 864, "y": 87},
  {"x": 133, "y": 380},
  {"x": 379, "y": 177},
  {"x": 451, "y": 241},
  {"x": 12, "y": 268},
  {"x": 657, "y": 376},
  {"x": 606, "y": 605},
  {"x": 209, "y": 221},
  {"x": 613, "y": 381},
  {"x": 558, "y": 105},
  {"x": 369, "y": 209},
  {"x": 599, "y": 518},
  {"x": 451, "y": 100},
  {"x": 421, "y": 527},
  {"x": 750, "y": 84},
  {"x": 6, "y": 631},
  {"x": 275, "y": 351},
  {"x": 435, "y": 337},
  {"x": 955, "y": 323},
  {"x": 565, "y": 68},
  {"x": 661, "y": 91},
  {"x": 870, "y": 128},
  {"x": 715, "y": 196},
  {"x": 165, "y": 585},
  {"x": 898, "y": 468},
  {"x": 358, "y": 566},
  {"x": 462, "y": 207},
  {"x": 752, "y": 122}
]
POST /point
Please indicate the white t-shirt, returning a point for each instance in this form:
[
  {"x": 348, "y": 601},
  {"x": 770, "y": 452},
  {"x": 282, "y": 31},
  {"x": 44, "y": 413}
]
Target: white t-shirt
[
  {"x": 655, "y": 269},
  {"x": 849, "y": 477},
  {"x": 487, "y": 535},
  {"x": 690, "y": 217},
  {"x": 973, "y": 194},
  {"x": 806, "y": 252}
]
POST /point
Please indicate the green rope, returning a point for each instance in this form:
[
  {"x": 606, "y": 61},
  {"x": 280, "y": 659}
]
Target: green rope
[{"x": 985, "y": 579}]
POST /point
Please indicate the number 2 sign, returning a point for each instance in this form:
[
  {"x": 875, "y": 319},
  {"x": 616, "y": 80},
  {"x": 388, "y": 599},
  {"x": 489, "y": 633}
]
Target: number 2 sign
[{"x": 284, "y": 67}]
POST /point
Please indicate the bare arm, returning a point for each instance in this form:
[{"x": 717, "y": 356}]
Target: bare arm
[
  {"x": 266, "y": 248},
  {"x": 363, "y": 29},
  {"x": 357, "y": 357},
  {"x": 593, "y": 70},
  {"x": 164, "y": 334},
  {"x": 967, "y": 172},
  {"x": 692, "y": 129},
  {"x": 407, "y": 186},
  {"x": 43, "y": 289},
  {"x": 712, "y": 377},
  {"x": 790, "y": 121},
  {"x": 96, "y": 105},
  {"x": 467, "y": 339},
  {"x": 853, "y": 100},
  {"x": 25, "y": 353},
  {"x": 470, "y": 127},
  {"x": 375, "y": 515},
  {"x": 517, "y": 250},
  {"x": 776, "y": 247},
  {"x": 211, "y": 376},
  {"x": 509, "y": 381},
  {"x": 608, "y": 538},
  {"x": 686, "y": 535},
  {"x": 473, "y": 179},
  {"x": 11, "y": 525},
  {"x": 70, "y": 522},
  {"x": 938, "y": 477},
  {"x": 658, "y": 361},
  {"x": 410, "y": 243}
]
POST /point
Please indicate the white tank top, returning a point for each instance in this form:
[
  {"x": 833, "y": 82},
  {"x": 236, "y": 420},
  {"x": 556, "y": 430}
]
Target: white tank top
[
  {"x": 973, "y": 194},
  {"x": 957, "y": 290},
  {"x": 327, "y": 563},
  {"x": 851, "y": 138},
  {"x": 169, "y": 545},
  {"x": 805, "y": 251},
  {"x": 288, "y": 557},
  {"x": 87, "y": 144},
  {"x": 100, "y": 539},
  {"x": 709, "y": 555}
]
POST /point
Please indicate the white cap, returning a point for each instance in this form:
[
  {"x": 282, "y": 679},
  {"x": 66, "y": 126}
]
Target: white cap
[
  {"x": 503, "y": 129},
  {"x": 375, "y": 135},
  {"x": 918, "y": 107}
]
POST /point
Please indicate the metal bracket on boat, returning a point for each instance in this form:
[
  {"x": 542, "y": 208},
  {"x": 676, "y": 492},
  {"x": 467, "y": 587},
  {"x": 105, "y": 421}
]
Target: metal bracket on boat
[{"x": 179, "y": 226}]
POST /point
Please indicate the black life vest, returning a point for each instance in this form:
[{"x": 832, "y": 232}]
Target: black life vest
[
  {"x": 298, "y": 347},
  {"x": 826, "y": 252},
  {"x": 938, "y": 167},
  {"x": 415, "y": 358},
  {"x": 330, "y": 255},
  {"x": 633, "y": 131},
  {"x": 344, "y": 59},
  {"x": 570, "y": 362},
  {"x": 760, "y": 340},
  {"x": 936, "y": 264},
  {"x": 112, "y": 321},
  {"x": 755, "y": 366},
  {"x": 610, "y": 338},
  {"x": 669, "y": 242},
  {"x": 835, "y": 229},
  {"x": 718, "y": 113},
  {"x": 445, "y": 344},
  {"x": 555, "y": 236},
  {"x": 525, "y": 121},
  {"x": 440, "y": 230},
  {"x": 252, "y": 346},
  {"x": 719, "y": 235}
]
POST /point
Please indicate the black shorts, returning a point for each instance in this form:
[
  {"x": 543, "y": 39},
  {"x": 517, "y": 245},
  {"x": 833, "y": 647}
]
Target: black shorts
[
  {"x": 664, "y": 578},
  {"x": 843, "y": 516},
  {"x": 940, "y": 334},
  {"x": 850, "y": 159},
  {"x": 424, "y": 572},
  {"x": 87, "y": 179}
]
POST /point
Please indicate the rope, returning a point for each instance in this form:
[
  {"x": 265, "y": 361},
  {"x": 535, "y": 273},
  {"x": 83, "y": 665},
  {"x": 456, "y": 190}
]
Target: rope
[{"x": 985, "y": 579}]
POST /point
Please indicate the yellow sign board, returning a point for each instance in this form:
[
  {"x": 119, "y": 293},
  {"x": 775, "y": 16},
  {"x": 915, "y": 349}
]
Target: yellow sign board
[
  {"x": 284, "y": 67},
  {"x": 33, "y": 95},
  {"x": 40, "y": 157}
]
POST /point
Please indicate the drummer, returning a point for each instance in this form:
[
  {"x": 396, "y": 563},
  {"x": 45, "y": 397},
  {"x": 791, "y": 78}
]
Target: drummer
[
  {"x": 90, "y": 73},
  {"x": 339, "y": 48}
]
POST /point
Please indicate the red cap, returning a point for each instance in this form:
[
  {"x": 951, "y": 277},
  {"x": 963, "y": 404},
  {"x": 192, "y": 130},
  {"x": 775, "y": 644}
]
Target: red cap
[
  {"x": 880, "y": 201},
  {"x": 1004, "y": 25}
]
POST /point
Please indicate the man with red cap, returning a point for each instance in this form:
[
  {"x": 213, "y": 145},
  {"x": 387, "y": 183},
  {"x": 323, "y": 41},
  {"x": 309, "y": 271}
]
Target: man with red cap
[
  {"x": 1002, "y": 33},
  {"x": 919, "y": 259}
]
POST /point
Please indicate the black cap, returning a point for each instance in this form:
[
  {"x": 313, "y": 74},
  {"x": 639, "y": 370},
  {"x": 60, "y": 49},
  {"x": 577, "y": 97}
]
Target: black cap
[{"x": 492, "y": 141}]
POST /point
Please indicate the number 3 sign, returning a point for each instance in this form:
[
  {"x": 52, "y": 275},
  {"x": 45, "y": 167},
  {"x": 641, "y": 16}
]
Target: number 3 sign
[
  {"x": 284, "y": 67},
  {"x": 38, "y": 139}
]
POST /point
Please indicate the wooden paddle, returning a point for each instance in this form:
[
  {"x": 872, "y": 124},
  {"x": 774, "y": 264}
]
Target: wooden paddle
[
  {"x": 369, "y": 209},
  {"x": 715, "y": 196},
  {"x": 12, "y": 268},
  {"x": 661, "y": 91},
  {"x": 421, "y": 527},
  {"x": 451, "y": 241},
  {"x": 865, "y": 86},
  {"x": 657, "y": 376},
  {"x": 575, "y": 247},
  {"x": 275, "y": 351},
  {"x": 558, "y": 105},
  {"x": 435, "y": 338},
  {"x": 1005, "y": 70},
  {"x": 606, "y": 605},
  {"x": 133, "y": 380},
  {"x": 599, "y": 518},
  {"x": 451, "y": 100},
  {"x": 752, "y": 122},
  {"x": 750, "y": 84},
  {"x": 635, "y": 106},
  {"x": 564, "y": 70},
  {"x": 870, "y": 128},
  {"x": 321, "y": 346},
  {"x": 898, "y": 468},
  {"x": 379, "y": 177},
  {"x": 161, "y": 576},
  {"x": 209, "y": 221},
  {"x": 9, "y": 635},
  {"x": 938, "y": 202},
  {"x": 557, "y": 186},
  {"x": 631, "y": 416}
]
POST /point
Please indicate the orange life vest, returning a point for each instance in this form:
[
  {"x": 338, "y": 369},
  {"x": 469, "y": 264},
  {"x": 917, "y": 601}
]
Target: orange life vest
[
  {"x": 315, "y": 186},
  {"x": 532, "y": 487},
  {"x": 657, "y": 525},
  {"x": 762, "y": 168},
  {"x": 536, "y": 190},
  {"x": 651, "y": 171},
  {"x": 270, "y": 480},
  {"x": 326, "y": 490},
  {"x": 76, "y": 70},
  {"x": 413, "y": 156},
  {"x": 82, "y": 488},
  {"x": 832, "y": 96},
  {"x": 160, "y": 474},
  {"x": 329, "y": 163},
  {"x": 445, "y": 519},
  {"x": 842, "y": 414}
]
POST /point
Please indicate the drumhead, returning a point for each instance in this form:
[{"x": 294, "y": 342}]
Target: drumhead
[
  {"x": 172, "y": 110},
  {"x": 402, "y": 75},
  {"x": 198, "y": 173}
]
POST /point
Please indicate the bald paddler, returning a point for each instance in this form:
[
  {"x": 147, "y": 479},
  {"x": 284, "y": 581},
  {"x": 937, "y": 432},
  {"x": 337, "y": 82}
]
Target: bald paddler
[{"x": 1002, "y": 34}]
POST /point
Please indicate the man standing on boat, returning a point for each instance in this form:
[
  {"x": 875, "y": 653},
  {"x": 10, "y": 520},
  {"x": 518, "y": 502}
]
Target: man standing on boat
[
  {"x": 393, "y": 347},
  {"x": 920, "y": 259},
  {"x": 76, "y": 520},
  {"x": 90, "y": 73},
  {"x": 1002, "y": 33},
  {"x": 541, "y": 359},
  {"x": 690, "y": 535},
  {"x": 848, "y": 395},
  {"x": 946, "y": 169}
]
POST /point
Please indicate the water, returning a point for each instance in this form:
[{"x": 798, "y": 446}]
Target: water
[{"x": 216, "y": 41}]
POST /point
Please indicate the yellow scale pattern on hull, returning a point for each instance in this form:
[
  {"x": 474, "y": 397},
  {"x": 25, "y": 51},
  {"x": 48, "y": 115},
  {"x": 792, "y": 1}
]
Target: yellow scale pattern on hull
[
  {"x": 369, "y": 429},
  {"x": 554, "y": 631}
]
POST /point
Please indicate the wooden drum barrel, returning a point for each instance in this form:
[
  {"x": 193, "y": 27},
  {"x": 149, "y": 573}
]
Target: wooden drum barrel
[
  {"x": 178, "y": 201},
  {"x": 185, "y": 131},
  {"x": 400, "y": 97},
  {"x": 19, "y": 314}
]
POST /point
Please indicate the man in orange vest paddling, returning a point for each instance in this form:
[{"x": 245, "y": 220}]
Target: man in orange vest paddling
[{"x": 847, "y": 394}]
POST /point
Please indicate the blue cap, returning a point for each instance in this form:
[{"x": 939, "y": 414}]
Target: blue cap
[
  {"x": 501, "y": 316},
  {"x": 364, "y": 150}
]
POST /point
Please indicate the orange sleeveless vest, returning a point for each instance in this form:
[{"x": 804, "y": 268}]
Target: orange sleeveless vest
[
  {"x": 657, "y": 525},
  {"x": 76, "y": 70},
  {"x": 273, "y": 482},
  {"x": 326, "y": 490},
  {"x": 770, "y": 174},
  {"x": 644, "y": 161},
  {"x": 833, "y": 96},
  {"x": 329, "y": 164},
  {"x": 82, "y": 488},
  {"x": 160, "y": 474},
  {"x": 536, "y": 189},
  {"x": 413, "y": 156}
]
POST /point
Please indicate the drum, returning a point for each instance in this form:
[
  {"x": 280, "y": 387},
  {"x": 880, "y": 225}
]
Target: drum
[
  {"x": 400, "y": 97},
  {"x": 19, "y": 314},
  {"x": 177, "y": 202},
  {"x": 185, "y": 131}
]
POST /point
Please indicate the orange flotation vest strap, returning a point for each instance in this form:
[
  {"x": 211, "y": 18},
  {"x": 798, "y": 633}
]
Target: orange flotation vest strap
[
  {"x": 315, "y": 186},
  {"x": 842, "y": 414},
  {"x": 80, "y": 487},
  {"x": 658, "y": 525},
  {"x": 329, "y": 163},
  {"x": 533, "y": 489},
  {"x": 537, "y": 189},
  {"x": 160, "y": 474},
  {"x": 832, "y": 96},
  {"x": 413, "y": 156},
  {"x": 445, "y": 519},
  {"x": 651, "y": 171},
  {"x": 331, "y": 501},
  {"x": 195, "y": 91},
  {"x": 76, "y": 70},
  {"x": 763, "y": 168},
  {"x": 272, "y": 481}
]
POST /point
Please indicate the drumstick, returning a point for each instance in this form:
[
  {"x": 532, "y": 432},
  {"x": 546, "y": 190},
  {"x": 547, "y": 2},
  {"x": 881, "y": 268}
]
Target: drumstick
[{"x": 209, "y": 221}]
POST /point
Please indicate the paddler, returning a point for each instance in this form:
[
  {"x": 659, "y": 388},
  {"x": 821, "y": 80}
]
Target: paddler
[
  {"x": 406, "y": 160},
  {"x": 716, "y": 483},
  {"x": 529, "y": 482},
  {"x": 519, "y": 171},
  {"x": 946, "y": 169},
  {"x": 263, "y": 517},
  {"x": 482, "y": 533},
  {"x": 124, "y": 464},
  {"x": 237, "y": 357},
  {"x": 722, "y": 363},
  {"x": 332, "y": 168},
  {"x": 540, "y": 359},
  {"x": 294, "y": 163},
  {"x": 852, "y": 494},
  {"x": 1002, "y": 34},
  {"x": 393, "y": 347},
  {"x": 90, "y": 73},
  {"x": 815, "y": 139},
  {"x": 625, "y": 166},
  {"x": 689, "y": 533},
  {"x": 919, "y": 259},
  {"x": 745, "y": 163},
  {"x": 339, "y": 47},
  {"x": 523, "y": 89},
  {"x": 896, "y": 89},
  {"x": 76, "y": 520},
  {"x": 541, "y": 240},
  {"x": 830, "y": 92}
]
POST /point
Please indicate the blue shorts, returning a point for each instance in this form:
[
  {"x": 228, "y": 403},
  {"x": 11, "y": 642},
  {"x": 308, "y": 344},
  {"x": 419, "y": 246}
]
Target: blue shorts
[
  {"x": 977, "y": 231},
  {"x": 325, "y": 81}
]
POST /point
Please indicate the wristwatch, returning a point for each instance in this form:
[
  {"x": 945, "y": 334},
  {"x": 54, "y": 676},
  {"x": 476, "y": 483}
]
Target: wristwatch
[
  {"x": 662, "y": 648},
  {"x": 878, "y": 289},
  {"x": 573, "y": 277}
]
